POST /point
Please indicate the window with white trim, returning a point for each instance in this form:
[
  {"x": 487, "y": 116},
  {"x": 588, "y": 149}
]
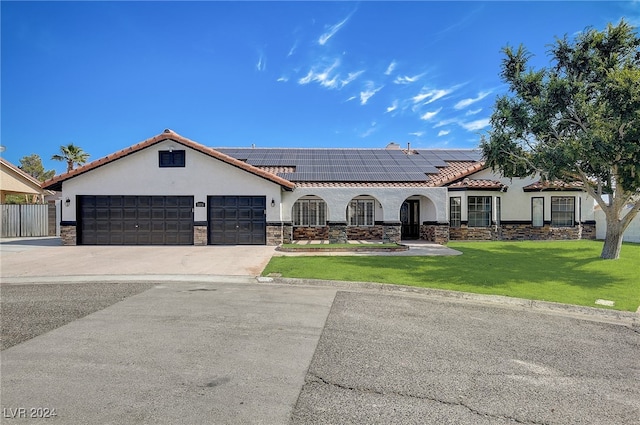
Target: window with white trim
[
  {"x": 360, "y": 212},
  {"x": 537, "y": 212},
  {"x": 455, "y": 211},
  {"x": 563, "y": 211},
  {"x": 309, "y": 212},
  {"x": 479, "y": 211}
]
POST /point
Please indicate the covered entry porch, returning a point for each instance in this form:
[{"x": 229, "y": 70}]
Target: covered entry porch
[{"x": 388, "y": 214}]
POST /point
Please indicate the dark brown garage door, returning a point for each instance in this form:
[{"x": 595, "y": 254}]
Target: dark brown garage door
[
  {"x": 135, "y": 220},
  {"x": 237, "y": 220}
]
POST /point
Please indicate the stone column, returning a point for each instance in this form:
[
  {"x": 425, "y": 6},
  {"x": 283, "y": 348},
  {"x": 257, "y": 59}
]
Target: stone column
[
  {"x": 392, "y": 232},
  {"x": 68, "y": 234},
  {"x": 200, "y": 234},
  {"x": 337, "y": 232}
]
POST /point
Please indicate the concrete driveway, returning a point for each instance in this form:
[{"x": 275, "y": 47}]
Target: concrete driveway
[{"x": 27, "y": 258}]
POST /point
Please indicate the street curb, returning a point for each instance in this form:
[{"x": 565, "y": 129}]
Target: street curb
[
  {"x": 628, "y": 317},
  {"x": 194, "y": 278}
]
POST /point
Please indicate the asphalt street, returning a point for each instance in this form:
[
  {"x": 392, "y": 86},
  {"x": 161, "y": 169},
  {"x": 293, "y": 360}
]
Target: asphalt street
[
  {"x": 399, "y": 359},
  {"x": 120, "y": 344}
]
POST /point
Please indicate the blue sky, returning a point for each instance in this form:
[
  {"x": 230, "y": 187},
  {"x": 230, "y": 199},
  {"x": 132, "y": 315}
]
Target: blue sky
[{"x": 106, "y": 75}]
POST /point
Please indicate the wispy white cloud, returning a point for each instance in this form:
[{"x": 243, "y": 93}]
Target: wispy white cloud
[
  {"x": 429, "y": 96},
  {"x": 368, "y": 92},
  {"x": 370, "y": 130},
  {"x": 417, "y": 133},
  {"x": 390, "y": 68},
  {"x": 262, "y": 63},
  {"x": 352, "y": 98},
  {"x": 443, "y": 132},
  {"x": 393, "y": 106},
  {"x": 445, "y": 122},
  {"x": 283, "y": 79},
  {"x": 406, "y": 79},
  {"x": 292, "y": 50},
  {"x": 429, "y": 115},
  {"x": 470, "y": 101},
  {"x": 351, "y": 77},
  {"x": 473, "y": 111},
  {"x": 323, "y": 76},
  {"x": 475, "y": 125},
  {"x": 332, "y": 30},
  {"x": 327, "y": 76}
]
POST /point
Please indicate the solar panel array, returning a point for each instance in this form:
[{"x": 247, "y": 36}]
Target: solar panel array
[{"x": 352, "y": 165}]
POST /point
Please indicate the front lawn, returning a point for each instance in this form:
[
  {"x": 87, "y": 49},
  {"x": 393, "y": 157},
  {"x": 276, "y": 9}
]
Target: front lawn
[{"x": 561, "y": 271}]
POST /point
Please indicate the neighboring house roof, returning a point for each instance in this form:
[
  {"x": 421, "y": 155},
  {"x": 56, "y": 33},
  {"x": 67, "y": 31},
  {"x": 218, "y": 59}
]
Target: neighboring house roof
[
  {"x": 346, "y": 167},
  {"x": 56, "y": 182},
  {"x": 14, "y": 180},
  {"x": 555, "y": 185},
  {"x": 477, "y": 184}
]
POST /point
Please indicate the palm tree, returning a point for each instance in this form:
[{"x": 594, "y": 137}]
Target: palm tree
[{"x": 72, "y": 155}]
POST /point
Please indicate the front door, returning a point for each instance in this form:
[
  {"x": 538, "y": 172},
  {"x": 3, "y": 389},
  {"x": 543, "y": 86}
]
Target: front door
[{"x": 410, "y": 218}]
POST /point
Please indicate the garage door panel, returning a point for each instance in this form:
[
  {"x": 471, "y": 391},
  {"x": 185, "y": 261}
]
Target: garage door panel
[
  {"x": 237, "y": 220},
  {"x": 135, "y": 220}
]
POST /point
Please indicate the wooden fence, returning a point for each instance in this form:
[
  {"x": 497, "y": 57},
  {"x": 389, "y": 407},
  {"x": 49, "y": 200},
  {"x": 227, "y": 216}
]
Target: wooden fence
[{"x": 24, "y": 220}]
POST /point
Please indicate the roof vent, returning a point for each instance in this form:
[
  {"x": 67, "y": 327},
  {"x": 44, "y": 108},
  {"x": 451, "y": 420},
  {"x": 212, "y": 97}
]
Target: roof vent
[
  {"x": 166, "y": 130},
  {"x": 393, "y": 146}
]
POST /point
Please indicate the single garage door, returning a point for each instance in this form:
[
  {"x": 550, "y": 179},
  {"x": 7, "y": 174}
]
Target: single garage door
[
  {"x": 237, "y": 220},
  {"x": 135, "y": 220}
]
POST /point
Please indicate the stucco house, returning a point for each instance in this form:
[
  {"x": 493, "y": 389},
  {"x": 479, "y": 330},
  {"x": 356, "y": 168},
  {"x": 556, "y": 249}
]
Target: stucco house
[
  {"x": 14, "y": 181},
  {"x": 171, "y": 190}
]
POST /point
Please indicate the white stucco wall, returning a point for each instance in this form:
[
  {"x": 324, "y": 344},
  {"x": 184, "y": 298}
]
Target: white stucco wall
[
  {"x": 389, "y": 201},
  {"x": 516, "y": 203},
  {"x": 139, "y": 174},
  {"x": 632, "y": 234}
]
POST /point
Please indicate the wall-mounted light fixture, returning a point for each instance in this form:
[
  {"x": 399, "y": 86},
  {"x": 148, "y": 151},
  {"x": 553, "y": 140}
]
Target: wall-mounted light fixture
[
  {"x": 273, "y": 202},
  {"x": 67, "y": 202}
]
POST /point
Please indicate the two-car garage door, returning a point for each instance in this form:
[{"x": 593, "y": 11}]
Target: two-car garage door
[
  {"x": 135, "y": 220},
  {"x": 169, "y": 220}
]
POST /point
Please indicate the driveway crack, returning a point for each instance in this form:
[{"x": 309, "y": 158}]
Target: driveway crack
[{"x": 311, "y": 377}]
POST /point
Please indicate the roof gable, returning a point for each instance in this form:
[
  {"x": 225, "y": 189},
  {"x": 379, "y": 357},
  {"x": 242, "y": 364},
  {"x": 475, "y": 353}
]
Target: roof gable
[
  {"x": 23, "y": 182},
  {"x": 56, "y": 182}
]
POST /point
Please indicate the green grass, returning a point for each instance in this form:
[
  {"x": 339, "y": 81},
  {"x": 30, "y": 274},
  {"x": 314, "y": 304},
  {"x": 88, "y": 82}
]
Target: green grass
[
  {"x": 561, "y": 271},
  {"x": 339, "y": 245}
]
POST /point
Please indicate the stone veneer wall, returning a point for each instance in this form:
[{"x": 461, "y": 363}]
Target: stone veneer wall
[
  {"x": 437, "y": 233},
  {"x": 199, "y": 235},
  {"x": 523, "y": 232},
  {"x": 392, "y": 233},
  {"x": 311, "y": 233},
  {"x": 365, "y": 233},
  {"x": 68, "y": 234},
  {"x": 279, "y": 233},
  {"x": 337, "y": 232},
  {"x": 589, "y": 230}
]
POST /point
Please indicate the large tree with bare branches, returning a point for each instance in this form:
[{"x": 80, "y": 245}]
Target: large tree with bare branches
[{"x": 577, "y": 120}]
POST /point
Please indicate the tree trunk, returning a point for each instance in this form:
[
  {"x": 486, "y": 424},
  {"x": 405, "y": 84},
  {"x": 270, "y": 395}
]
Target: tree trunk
[{"x": 612, "y": 241}]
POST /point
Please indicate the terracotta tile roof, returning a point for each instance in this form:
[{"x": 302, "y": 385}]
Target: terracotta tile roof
[
  {"x": 455, "y": 170},
  {"x": 478, "y": 184},
  {"x": 364, "y": 184},
  {"x": 56, "y": 182},
  {"x": 553, "y": 185},
  {"x": 276, "y": 170}
]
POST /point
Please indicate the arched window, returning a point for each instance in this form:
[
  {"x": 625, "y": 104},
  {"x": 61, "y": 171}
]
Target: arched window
[
  {"x": 361, "y": 212},
  {"x": 309, "y": 212}
]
